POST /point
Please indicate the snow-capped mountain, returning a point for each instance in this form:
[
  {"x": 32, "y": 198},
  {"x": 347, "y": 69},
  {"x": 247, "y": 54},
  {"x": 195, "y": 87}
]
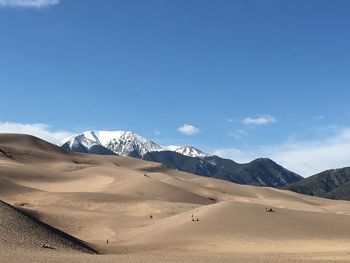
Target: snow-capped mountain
[
  {"x": 124, "y": 143},
  {"x": 191, "y": 152},
  {"x": 187, "y": 150},
  {"x": 263, "y": 172},
  {"x": 86, "y": 139}
]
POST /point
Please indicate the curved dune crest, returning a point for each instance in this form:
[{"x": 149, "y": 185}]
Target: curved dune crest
[{"x": 20, "y": 230}]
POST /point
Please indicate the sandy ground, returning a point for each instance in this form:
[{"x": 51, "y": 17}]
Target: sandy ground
[
  {"x": 162, "y": 257},
  {"x": 95, "y": 198}
]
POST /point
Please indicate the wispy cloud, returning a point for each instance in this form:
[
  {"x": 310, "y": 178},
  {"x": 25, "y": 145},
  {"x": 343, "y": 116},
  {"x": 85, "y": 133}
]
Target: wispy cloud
[
  {"x": 28, "y": 3},
  {"x": 238, "y": 134},
  {"x": 319, "y": 117},
  {"x": 42, "y": 131},
  {"x": 304, "y": 157},
  {"x": 188, "y": 129},
  {"x": 260, "y": 120}
]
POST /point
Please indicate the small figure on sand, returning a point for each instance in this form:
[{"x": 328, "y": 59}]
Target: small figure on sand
[
  {"x": 194, "y": 219},
  {"x": 47, "y": 246},
  {"x": 151, "y": 217},
  {"x": 107, "y": 241},
  {"x": 269, "y": 210}
]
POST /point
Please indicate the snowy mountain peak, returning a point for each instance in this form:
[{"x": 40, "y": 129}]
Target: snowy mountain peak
[
  {"x": 191, "y": 151},
  {"x": 124, "y": 143},
  {"x": 87, "y": 139},
  {"x": 130, "y": 143}
]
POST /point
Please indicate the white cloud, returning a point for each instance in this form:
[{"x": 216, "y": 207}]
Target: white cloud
[
  {"x": 188, "y": 129},
  {"x": 39, "y": 130},
  {"x": 303, "y": 157},
  {"x": 310, "y": 157},
  {"x": 261, "y": 120},
  {"x": 28, "y": 3}
]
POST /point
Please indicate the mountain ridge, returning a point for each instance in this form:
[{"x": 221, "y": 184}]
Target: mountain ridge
[
  {"x": 333, "y": 184},
  {"x": 125, "y": 143},
  {"x": 261, "y": 172}
]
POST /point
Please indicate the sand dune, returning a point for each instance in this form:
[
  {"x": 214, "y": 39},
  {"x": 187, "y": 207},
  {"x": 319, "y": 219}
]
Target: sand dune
[
  {"x": 22, "y": 231},
  {"x": 96, "y": 198}
]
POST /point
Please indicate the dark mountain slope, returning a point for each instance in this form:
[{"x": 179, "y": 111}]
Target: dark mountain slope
[
  {"x": 334, "y": 184},
  {"x": 261, "y": 172},
  {"x": 95, "y": 149}
]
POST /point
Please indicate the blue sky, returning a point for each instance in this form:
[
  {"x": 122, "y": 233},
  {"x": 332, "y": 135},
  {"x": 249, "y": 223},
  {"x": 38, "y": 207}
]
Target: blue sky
[{"x": 242, "y": 79}]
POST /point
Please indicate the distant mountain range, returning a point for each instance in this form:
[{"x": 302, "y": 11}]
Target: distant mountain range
[
  {"x": 261, "y": 172},
  {"x": 334, "y": 184},
  {"x": 110, "y": 142}
]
